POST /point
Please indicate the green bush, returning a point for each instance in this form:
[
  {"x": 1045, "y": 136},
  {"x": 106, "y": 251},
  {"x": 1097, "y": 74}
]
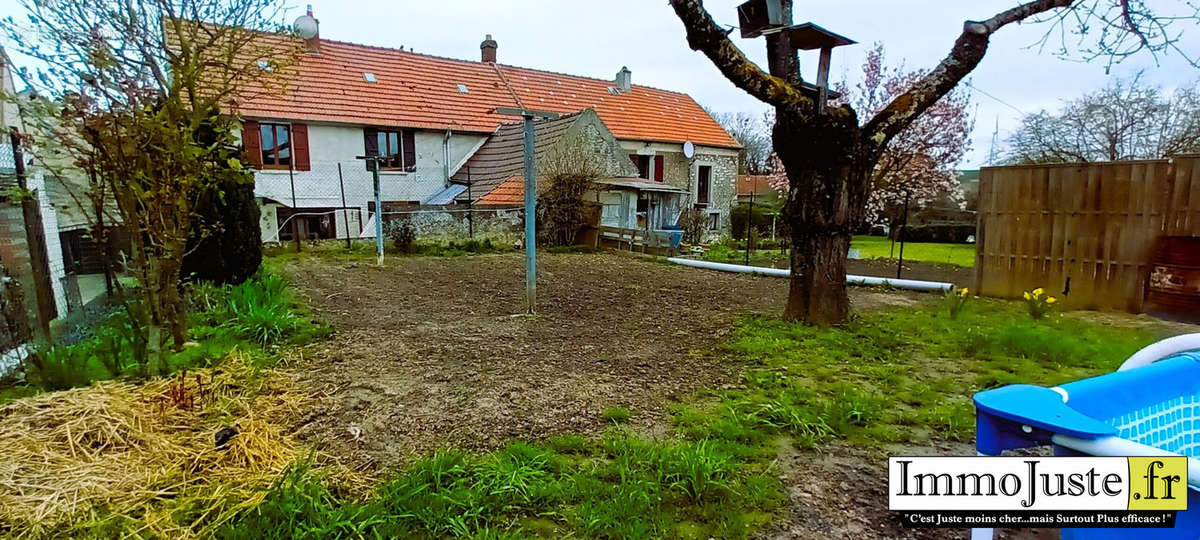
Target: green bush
[{"x": 260, "y": 309}]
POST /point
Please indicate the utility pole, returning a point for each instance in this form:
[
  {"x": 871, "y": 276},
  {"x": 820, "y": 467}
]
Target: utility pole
[
  {"x": 35, "y": 238},
  {"x": 530, "y": 201}
]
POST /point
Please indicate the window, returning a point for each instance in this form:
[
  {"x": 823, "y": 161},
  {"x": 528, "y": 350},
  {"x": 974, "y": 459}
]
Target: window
[
  {"x": 714, "y": 221},
  {"x": 643, "y": 165},
  {"x": 397, "y": 146},
  {"x": 276, "y": 145},
  {"x": 703, "y": 184},
  {"x": 649, "y": 167}
]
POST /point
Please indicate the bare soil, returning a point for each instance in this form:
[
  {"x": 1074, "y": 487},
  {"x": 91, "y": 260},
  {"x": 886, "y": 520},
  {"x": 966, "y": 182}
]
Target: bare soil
[{"x": 436, "y": 352}]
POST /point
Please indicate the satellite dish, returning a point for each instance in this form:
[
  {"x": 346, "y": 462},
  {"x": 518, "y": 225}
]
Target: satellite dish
[
  {"x": 689, "y": 150},
  {"x": 306, "y": 27}
]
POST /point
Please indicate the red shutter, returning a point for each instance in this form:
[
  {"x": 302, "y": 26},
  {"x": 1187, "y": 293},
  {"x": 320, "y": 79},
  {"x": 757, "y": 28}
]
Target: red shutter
[
  {"x": 410, "y": 149},
  {"x": 252, "y": 141},
  {"x": 658, "y": 169},
  {"x": 634, "y": 159},
  {"x": 370, "y": 146},
  {"x": 300, "y": 146}
]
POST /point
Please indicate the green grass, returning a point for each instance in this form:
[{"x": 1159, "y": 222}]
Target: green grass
[
  {"x": 869, "y": 247},
  {"x": 617, "y": 415},
  {"x": 899, "y": 376},
  {"x": 879, "y": 247},
  {"x": 619, "y": 487}
]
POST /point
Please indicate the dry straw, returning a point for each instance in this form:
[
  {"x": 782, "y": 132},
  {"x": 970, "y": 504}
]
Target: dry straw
[{"x": 140, "y": 458}]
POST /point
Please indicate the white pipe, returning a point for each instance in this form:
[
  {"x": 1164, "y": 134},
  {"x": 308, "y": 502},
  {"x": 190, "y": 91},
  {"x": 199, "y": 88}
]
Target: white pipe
[
  {"x": 910, "y": 284},
  {"x": 1157, "y": 351}
]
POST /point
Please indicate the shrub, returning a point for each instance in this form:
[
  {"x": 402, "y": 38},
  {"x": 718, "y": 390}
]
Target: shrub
[
  {"x": 402, "y": 234},
  {"x": 60, "y": 368},
  {"x": 225, "y": 244}
]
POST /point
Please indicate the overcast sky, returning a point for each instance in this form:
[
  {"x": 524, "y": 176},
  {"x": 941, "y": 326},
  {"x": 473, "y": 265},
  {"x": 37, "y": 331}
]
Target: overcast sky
[{"x": 596, "y": 37}]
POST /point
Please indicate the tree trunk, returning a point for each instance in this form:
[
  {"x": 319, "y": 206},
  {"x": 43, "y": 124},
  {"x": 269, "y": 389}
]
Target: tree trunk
[
  {"x": 818, "y": 288},
  {"x": 828, "y": 183}
]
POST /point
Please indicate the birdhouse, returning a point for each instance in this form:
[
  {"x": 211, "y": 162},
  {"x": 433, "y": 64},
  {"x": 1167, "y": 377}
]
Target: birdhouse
[
  {"x": 758, "y": 16},
  {"x": 808, "y": 37}
]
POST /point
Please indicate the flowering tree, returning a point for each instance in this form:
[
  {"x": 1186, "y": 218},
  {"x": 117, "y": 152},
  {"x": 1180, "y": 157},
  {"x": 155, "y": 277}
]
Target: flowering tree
[
  {"x": 919, "y": 163},
  {"x": 134, "y": 91},
  {"x": 830, "y": 157}
]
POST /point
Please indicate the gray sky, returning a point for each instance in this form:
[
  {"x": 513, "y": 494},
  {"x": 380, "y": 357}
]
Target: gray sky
[{"x": 595, "y": 38}]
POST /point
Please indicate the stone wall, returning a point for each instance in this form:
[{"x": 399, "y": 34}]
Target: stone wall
[{"x": 454, "y": 223}]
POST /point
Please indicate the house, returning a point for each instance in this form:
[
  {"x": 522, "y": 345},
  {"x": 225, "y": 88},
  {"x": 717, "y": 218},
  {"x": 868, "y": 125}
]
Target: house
[
  {"x": 14, "y": 248},
  {"x": 432, "y": 115}
]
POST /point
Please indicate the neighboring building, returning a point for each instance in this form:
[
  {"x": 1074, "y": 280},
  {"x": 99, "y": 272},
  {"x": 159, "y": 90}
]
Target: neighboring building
[
  {"x": 14, "y": 250},
  {"x": 760, "y": 186},
  {"x": 432, "y": 115}
]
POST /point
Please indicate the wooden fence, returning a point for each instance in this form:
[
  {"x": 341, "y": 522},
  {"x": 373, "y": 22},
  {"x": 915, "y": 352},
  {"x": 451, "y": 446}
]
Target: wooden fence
[{"x": 1084, "y": 232}]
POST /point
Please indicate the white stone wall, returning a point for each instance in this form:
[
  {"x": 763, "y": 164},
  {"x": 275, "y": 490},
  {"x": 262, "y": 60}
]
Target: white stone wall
[
  {"x": 682, "y": 172},
  {"x": 334, "y": 145}
]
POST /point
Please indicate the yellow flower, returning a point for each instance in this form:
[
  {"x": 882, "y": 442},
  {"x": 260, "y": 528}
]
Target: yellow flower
[
  {"x": 1037, "y": 292},
  {"x": 1027, "y": 296},
  {"x": 1051, "y": 299},
  {"x": 963, "y": 292}
]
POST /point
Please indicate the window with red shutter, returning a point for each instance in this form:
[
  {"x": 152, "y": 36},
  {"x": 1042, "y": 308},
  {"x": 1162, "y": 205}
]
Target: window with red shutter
[
  {"x": 659, "y": 169},
  {"x": 276, "y": 150}
]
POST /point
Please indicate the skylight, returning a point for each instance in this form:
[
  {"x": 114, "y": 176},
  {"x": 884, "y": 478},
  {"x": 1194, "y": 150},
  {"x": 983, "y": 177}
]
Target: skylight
[
  {"x": 462, "y": 89},
  {"x": 264, "y": 65},
  {"x": 369, "y": 77}
]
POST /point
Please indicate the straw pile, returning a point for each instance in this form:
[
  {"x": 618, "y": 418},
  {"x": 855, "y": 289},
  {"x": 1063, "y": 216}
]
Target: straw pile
[{"x": 138, "y": 459}]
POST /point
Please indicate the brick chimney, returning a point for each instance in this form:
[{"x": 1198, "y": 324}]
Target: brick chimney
[{"x": 488, "y": 50}]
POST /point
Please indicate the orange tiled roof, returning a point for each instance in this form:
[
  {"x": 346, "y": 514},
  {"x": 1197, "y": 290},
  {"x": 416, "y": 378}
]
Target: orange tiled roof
[
  {"x": 757, "y": 184},
  {"x": 421, "y": 91},
  {"x": 510, "y": 192}
]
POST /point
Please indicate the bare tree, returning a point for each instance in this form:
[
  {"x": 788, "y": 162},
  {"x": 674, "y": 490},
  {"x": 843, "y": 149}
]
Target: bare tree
[
  {"x": 753, "y": 132},
  {"x": 565, "y": 174},
  {"x": 1125, "y": 120},
  {"x": 830, "y": 157},
  {"x": 134, "y": 90}
]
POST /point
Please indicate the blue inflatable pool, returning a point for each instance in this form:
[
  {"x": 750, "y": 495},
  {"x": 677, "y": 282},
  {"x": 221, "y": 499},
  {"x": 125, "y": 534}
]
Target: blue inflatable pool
[{"x": 1150, "y": 406}]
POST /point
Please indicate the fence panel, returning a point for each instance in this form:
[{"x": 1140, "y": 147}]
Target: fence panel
[{"x": 1085, "y": 232}]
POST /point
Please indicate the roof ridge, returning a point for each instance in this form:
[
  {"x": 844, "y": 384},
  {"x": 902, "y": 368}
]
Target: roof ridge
[{"x": 595, "y": 79}]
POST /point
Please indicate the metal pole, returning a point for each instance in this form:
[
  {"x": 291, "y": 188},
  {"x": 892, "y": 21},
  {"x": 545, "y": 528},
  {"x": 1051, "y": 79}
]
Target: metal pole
[
  {"x": 378, "y": 212},
  {"x": 750, "y": 219},
  {"x": 345, "y": 211},
  {"x": 295, "y": 210},
  {"x": 35, "y": 238},
  {"x": 530, "y": 218},
  {"x": 900, "y": 235},
  {"x": 470, "y": 208}
]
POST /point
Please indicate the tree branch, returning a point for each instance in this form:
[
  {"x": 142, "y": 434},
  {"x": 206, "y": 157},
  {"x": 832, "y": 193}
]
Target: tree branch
[
  {"x": 968, "y": 51},
  {"x": 705, "y": 36}
]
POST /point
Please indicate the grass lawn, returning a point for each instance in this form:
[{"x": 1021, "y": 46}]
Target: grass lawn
[
  {"x": 869, "y": 247},
  {"x": 879, "y": 247}
]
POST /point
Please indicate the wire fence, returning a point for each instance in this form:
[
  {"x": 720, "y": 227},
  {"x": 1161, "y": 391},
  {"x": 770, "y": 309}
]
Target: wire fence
[{"x": 336, "y": 200}]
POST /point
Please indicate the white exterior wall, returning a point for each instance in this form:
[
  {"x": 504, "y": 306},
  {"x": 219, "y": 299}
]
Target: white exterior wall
[{"x": 331, "y": 145}]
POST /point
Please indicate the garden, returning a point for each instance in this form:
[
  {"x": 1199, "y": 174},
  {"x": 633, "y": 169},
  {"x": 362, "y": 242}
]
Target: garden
[{"x": 643, "y": 400}]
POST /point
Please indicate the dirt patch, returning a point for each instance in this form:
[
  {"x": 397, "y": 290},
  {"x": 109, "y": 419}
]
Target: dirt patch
[
  {"x": 923, "y": 271},
  {"x": 432, "y": 352}
]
